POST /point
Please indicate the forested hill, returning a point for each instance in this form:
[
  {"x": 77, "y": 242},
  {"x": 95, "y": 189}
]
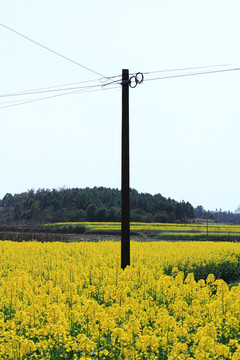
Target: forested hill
[{"x": 89, "y": 204}]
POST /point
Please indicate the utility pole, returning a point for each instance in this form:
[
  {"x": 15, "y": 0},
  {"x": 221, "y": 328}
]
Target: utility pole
[
  {"x": 125, "y": 198},
  {"x": 127, "y": 82}
]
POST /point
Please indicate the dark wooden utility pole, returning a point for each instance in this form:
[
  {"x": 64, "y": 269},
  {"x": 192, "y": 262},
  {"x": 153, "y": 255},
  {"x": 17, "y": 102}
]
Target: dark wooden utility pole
[{"x": 125, "y": 206}]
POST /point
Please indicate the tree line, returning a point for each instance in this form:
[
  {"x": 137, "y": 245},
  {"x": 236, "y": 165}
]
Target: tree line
[
  {"x": 89, "y": 204},
  {"x": 226, "y": 217}
]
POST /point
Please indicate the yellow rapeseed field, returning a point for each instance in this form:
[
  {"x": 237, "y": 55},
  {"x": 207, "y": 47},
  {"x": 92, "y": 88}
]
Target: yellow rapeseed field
[
  {"x": 164, "y": 227},
  {"x": 73, "y": 301}
]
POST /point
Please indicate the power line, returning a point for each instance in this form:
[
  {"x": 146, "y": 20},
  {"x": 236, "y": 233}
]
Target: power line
[
  {"x": 107, "y": 85},
  {"x": 58, "y": 88},
  {"x": 33, "y": 92},
  {"x": 12, "y": 101},
  {"x": 53, "y": 51},
  {"x": 54, "y": 96},
  {"x": 55, "y": 88},
  {"x": 191, "y": 74},
  {"x": 190, "y": 68}
]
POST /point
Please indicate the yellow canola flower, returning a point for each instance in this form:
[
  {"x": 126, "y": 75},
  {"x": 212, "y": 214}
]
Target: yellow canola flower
[
  {"x": 73, "y": 301},
  {"x": 156, "y": 226}
]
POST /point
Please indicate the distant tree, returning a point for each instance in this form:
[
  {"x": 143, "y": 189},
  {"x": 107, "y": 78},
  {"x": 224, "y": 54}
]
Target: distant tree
[
  {"x": 92, "y": 204},
  {"x": 8, "y": 200},
  {"x": 17, "y": 211},
  {"x": 190, "y": 214},
  {"x": 199, "y": 211},
  {"x": 34, "y": 210},
  {"x": 77, "y": 215},
  {"x": 100, "y": 214},
  {"x": 113, "y": 214},
  {"x": 139, "y": 215},
  {"x": 91, "y": 212},
  {"x": 180, "y": 212},
  {"x": 161, "y": 217}
]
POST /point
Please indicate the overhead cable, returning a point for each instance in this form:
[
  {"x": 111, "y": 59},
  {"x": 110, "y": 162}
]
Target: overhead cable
[
  {"x": 53, "y": 51},
  {"x": 191, "y": 74},
  {"x": 58, "y": 88},
  {"x": 79, "y": 91},
  {"x": 193, "y": 68},
  {"x": 134, "y": 80},
  {"x": 33, "y": 92}
]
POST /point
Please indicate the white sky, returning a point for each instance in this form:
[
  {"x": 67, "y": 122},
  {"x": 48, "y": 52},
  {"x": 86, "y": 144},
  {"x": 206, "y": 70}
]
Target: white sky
[{"x": 184, "y": 132}]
